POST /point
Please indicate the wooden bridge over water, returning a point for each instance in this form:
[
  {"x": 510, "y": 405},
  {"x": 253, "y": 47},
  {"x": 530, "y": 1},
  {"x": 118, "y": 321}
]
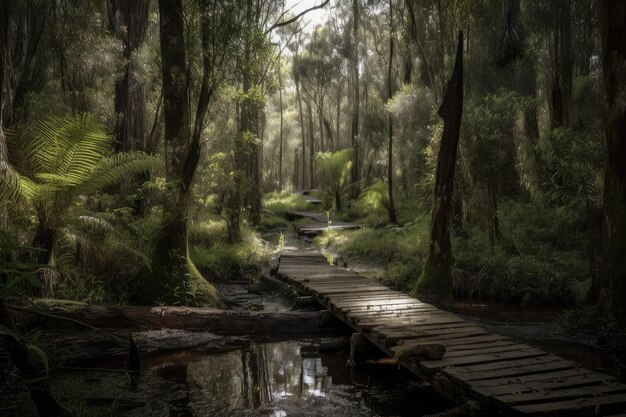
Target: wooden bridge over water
[{"x": 504, "y": 376}]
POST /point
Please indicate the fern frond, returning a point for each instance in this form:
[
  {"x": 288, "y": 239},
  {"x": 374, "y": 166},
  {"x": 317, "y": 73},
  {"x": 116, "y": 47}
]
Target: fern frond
[
  {"x": 68, "y": 147},
  {"x": 120, "y": 168}
]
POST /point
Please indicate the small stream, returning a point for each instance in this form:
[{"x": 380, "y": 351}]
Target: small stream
[{"x": 271, "y": 379}]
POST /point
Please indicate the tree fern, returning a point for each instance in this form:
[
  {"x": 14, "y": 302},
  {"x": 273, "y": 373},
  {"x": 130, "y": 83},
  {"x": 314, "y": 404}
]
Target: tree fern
[{"x": 117, "y": 169}]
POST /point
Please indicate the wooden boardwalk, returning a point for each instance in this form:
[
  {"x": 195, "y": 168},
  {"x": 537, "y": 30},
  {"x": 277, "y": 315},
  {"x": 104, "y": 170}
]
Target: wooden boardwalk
[
  {"x": 505, "y": 376},
  {"x": 320, "y": 223}
]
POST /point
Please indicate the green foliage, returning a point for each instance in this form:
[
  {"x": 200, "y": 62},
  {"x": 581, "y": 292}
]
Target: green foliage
[
  {"x": 399, "y": 250},
  {"x": 334, "y": 168},
  {"x": 281, "y": 202},
  {"x": 536, "y": 262},
  {"x": 376, "y": 196},
  {"x": 487, "y": 143},
  {"x": 220, "y": 261},
  {"x": 61, "y": 158},
  {"x": 15, "y": 276},
  {"x": 99, "y": 255},
  {"x": 570, "y": 163}
]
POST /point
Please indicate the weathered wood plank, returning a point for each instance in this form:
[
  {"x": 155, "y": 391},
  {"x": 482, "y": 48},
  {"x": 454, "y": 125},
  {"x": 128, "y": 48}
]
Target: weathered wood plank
[
  {"x": 486, "y": 358},
  {"x": 578, "y": 407},
  {"x": 490, "y": 367},
  {"x": 572, "y": 381}
]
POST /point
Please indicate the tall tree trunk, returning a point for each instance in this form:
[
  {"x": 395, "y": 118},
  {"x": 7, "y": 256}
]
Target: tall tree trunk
[
  {"x": 356, "y": 98},
  {"x": 610, "y": 289},
  {"x": 30, "y": 29},
  {"x": 338, "y": 121},
  {"x": 128, "y": 21},
  {"x": 561, "y": 94},
  {"x": 392, "y": 208},
  {"x": 303, "y": 184},
  {"x": 280, "y": 144},
  {"x": 435, "y": 283},
  {"x": 311, "y": 145},
  {"x": 171, "y": 267}
]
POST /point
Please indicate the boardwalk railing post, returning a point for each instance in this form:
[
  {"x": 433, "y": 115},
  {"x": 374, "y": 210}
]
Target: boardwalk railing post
[{"x": 362, "y": 350}]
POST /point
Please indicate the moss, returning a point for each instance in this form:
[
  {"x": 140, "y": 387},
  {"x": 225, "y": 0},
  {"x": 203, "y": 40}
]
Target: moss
[
  {"x": 54, "y": 304},
  {"x": 202, "y": 290}
]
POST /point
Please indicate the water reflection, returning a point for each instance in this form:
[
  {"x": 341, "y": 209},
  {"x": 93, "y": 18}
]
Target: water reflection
[
  {"x": 283, "y": 380},
  {"x": 254, "y": 377}
]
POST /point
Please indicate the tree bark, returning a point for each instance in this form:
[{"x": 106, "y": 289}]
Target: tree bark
[
  {"x": 311, "y": 145},
  {"x": 171, "y": 278},
  {"x": 280, "y": 144},
  {"x": 303, "y": 168},
  {"x": 561, "y": 94},
  {"x": 174, "y": 317},
  {"x": 435, "y": 283},
  {"x": 356, "y": 97},
  {"x": 610, "y": 288},
  {"x": 392, "y": 208},
  {"x": 30, "y": 29},
  {"x": 128, "y": 21}
]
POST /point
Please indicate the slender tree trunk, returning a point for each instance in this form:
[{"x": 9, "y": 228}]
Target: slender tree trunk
[
  {"x": 128, "y": 21},
  {"x": 300, "y": 114},
  {"x": 280, "y": 149},
  {"x": 356, "y": 169},
  {"x": 561, "y": 94},
  {"x": 610, "y": 289},
  {"x": 30, "y": 30},
  {"x": 492, "y": 213},
  {"x": 311, "y": 146},
  {"x": 435, "y": 283},
  {"x": 171, "y": 266},
  {"x": 338, "y": 121},
  {"x": 392, "y": 208}
]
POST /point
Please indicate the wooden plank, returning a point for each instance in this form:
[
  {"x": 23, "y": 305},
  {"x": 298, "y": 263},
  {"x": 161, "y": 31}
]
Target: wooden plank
[
  {"x": 536, "y": 365},
  {"x": 433, "y": 365},
  {"x": 391, "y": 302},
  {"x": 534, "y": 378},
  {"x": 464, "y": 349},
  {"x": 577, "y": 380},
  {"x": 578, "y": 407},
  {"x": 486, "y": 350},
  {"x": 560, "y": 394},
  {"x": 460, "y": 341}
]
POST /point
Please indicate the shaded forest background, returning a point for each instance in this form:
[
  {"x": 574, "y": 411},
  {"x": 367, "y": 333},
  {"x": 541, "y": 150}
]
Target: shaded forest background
[{"x": 145, "y": 145}]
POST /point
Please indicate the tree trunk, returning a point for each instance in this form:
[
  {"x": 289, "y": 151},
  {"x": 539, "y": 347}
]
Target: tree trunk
[
  {"x": 492, "y": 213},
  {"x": 561, "y": 94},
  {"x": 311, "y": 146},
  {"x": 435, "y": 283},
  {"x": 610, "y": 289},
  {"x": 172, "y": 278},
  {"x": 356, "y": 97},
  {"x": 128, "y": 21},
  {"x": 280, "y": 149},
  {"x": 303, "y": 168},
  {"x": 392, "y": 208},
  {"x": 30, "y": 29}
]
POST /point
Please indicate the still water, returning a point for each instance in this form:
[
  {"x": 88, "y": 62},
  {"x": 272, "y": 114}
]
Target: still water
[
  {"x": 281, "y": 379},
  {"x": 277, "y": 379}
]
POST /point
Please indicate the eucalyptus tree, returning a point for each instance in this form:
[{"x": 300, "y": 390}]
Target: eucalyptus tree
[
  {"x": 173, "y": 277},
  {"x": 33, "y": 17},
  {"x": 128, "y": 22},
  {"x": 435, "y": 283}
]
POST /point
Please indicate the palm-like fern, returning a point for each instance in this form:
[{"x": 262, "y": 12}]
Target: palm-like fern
[
  {"x": 63, "y": 157},
  {"x": 334, "y": 168}
]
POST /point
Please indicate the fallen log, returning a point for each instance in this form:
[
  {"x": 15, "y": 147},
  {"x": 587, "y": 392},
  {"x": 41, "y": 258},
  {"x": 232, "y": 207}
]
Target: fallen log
[{"x": 170, "y": 317}]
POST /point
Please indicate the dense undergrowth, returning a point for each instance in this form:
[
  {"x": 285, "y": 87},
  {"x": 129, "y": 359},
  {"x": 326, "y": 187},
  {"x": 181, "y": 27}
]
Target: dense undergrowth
[{"x": 539, "y": 258}]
